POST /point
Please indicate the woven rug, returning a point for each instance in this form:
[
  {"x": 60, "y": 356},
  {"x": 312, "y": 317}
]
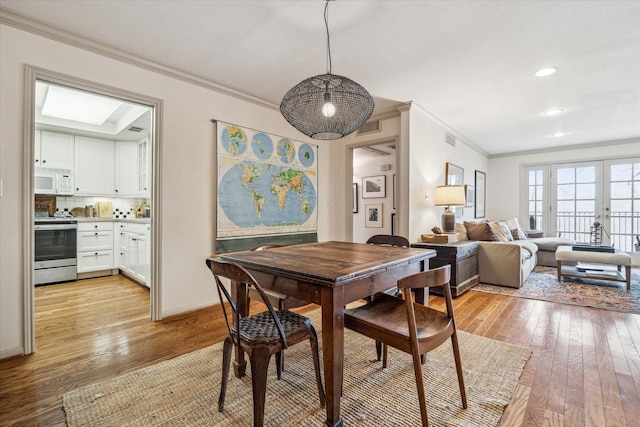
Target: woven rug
[
  {"x": 542, "y": 284},
  {"x": 184, "y": 391}
]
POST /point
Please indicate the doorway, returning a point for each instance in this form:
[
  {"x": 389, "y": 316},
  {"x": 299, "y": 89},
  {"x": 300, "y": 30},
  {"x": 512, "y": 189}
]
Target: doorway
[{"x": 128, "y": 132}]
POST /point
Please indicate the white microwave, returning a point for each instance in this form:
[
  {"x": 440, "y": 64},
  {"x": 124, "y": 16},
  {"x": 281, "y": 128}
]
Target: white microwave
[{"x": 53, "y": 181}]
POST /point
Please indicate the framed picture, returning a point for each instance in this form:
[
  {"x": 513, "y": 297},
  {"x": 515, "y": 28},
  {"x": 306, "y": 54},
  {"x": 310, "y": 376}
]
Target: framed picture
[
  {"x": 471, "y": 195},
  {"x": 455, "y": 175},
  {"x": 481, "y": 192},
  {"x": 393, "y": 224},
  {"x": 395, "y": 190},
  {"x": 374, "y": 187},
  {"x": 355, "y": 197},
  {"x": 373, "y": 215}
]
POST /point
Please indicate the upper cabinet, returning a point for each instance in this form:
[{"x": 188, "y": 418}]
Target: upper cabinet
[
  {"x": 126, "y": 168},
  {"x": 94, "y": 166},
  {"x": 54, "y": 150},
  {"x": 144, "y": 166}
]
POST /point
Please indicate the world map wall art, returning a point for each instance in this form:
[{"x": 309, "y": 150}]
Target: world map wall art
[{"x": 267, "y": 184}]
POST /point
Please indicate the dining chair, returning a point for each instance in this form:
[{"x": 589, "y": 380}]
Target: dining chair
[
  {"x": 386, "y": 240},
  {"x": 259, "y": 335},
  {"x": 410, "y": 327},
  {"x": 280, "y": 300}
]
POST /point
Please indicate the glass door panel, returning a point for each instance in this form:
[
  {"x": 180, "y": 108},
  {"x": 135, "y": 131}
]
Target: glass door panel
[{"x": 622, "y": 209}]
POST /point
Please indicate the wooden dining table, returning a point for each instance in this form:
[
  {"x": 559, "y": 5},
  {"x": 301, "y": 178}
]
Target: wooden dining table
[{"x": 330, "y": 274}]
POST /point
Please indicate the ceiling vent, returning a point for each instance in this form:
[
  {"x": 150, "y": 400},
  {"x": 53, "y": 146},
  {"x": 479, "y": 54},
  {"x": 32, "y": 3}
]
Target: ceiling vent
[
  {"x": 450, "y": 139},
  {"x": 135, "y": 129},
  {"x": 369, "y": 127}
]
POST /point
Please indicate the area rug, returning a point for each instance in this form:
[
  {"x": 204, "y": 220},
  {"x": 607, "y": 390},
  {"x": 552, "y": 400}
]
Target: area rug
[
  {"x": 542, "y": 284},
  {"x": 184, "y": 391}
]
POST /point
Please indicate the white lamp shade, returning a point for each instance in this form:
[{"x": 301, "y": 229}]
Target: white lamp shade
[{"x": 450, "y": 195}]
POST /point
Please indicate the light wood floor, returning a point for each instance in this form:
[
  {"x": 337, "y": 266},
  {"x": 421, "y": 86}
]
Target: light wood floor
[{"x": 585, "y": 367}]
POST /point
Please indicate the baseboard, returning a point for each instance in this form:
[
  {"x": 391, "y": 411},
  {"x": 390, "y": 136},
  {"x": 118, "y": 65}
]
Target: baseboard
[{"x": 16, "y": 351}]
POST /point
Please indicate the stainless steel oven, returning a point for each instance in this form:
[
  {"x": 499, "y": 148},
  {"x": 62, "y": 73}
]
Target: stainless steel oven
[{"x": 55, "y": 250}]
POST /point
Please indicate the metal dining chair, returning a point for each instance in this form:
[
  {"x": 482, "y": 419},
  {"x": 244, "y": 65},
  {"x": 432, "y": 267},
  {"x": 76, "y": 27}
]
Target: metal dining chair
[
  {"x": 410, "y": 327},
  {"x": 277, "y": 299},
  {"x": 259, "y": 335}
]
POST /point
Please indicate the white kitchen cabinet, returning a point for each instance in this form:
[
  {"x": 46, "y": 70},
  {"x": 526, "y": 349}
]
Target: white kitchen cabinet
[
  {"x": 94, "y": 166},
  {"x": 126, "y": 168},
  {"x": 54, "y": 150},
  {"x": 134, "y": 251},
  {"x": 144, "y": 166},
  {"x": 95, "y": 246}
]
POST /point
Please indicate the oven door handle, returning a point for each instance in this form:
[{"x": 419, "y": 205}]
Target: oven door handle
[{"x": 55, "y": 227}]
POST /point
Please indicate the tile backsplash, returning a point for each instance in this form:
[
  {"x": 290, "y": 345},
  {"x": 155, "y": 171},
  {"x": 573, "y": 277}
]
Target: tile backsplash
[{"x": 122, "y": 208}]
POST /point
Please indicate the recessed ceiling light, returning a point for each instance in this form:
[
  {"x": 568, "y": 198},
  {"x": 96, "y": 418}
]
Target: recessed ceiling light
[
  {"x": 546, "y": 72},
  {"x": 554, "y": 112},
  {"x": 69, "y": 104},
  {"x": 558, "y": 134}
]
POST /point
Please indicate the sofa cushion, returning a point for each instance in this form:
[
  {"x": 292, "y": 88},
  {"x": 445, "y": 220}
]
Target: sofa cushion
[
  {"x": 528, "y": 248},
  {"x": 551, "y": 243},
  {"x": 516, "y": 230},
  {"x": 480, "y": 231},
  {"x": 504, "y": 235}
]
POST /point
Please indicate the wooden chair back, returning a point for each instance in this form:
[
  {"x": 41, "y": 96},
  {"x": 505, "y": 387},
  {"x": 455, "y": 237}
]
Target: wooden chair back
[{"x": 389, "y": 240}]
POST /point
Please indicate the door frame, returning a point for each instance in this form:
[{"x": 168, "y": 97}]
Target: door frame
[{"x": 32, "y": 74}]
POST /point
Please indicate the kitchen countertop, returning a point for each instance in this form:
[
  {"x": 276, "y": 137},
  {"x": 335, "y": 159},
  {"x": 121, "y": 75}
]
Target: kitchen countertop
[{"x": 132, "y": 220}]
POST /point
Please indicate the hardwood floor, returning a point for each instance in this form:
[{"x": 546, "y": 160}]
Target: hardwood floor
[{"x": 585, "y": 367}]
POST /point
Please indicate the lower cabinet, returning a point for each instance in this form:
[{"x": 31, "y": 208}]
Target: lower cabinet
[
  {"x": 134, "y": 251},
  {"x": 95, "y": 247}
]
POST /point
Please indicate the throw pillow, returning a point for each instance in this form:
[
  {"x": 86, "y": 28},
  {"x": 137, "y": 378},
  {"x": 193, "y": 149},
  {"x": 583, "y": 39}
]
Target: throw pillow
[
  {"x": 505, "y": 230},
  {"x": 461, "y": 231},
  {"x": 516, "y": 230},
  {"x": 502, "y": 237},
  {"x": 480, "y": 231}
]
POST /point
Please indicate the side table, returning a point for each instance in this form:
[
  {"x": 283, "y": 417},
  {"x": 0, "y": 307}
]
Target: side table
[{"x": 463, "y": 258}]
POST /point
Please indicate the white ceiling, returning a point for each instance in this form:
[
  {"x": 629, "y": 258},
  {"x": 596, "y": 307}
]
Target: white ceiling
[{"x": 469, "y": 64}]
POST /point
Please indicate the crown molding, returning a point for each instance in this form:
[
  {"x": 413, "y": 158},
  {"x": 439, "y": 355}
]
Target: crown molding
[
  {"x": 442, "y": 125},
  {"x": 567, "y": 148},
  {"x": 61, "y": 35}
]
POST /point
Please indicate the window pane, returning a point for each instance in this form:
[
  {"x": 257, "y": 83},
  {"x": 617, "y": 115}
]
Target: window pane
[
  {"x": 565, "y": 176},
  {"x": 585, "y": 191},
  {"x": 620, "y": 190},
  {"x": 621, "y": 172},
  {"x": 566, "y": 192},
  {"x": 539, "y": 177},
  {"x": 587, "y": 174},
  {"x": 540, "y": 193},
  {"x": 565, "y": 207},
  {"x": 539, "y": 207},
  {"x": 585, "y": 206},
  {"x": 621, "y": 205}
]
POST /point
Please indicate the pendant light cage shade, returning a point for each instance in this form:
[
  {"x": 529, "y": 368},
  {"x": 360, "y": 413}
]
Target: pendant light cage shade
[{"x": 305, "y": 106}]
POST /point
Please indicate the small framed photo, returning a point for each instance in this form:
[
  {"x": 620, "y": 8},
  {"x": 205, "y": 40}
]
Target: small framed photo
[
  {"x": 355, "y": 197},
  {"x": 454, "y": 174},
  {"x": 480, "y": 182},
  {"x": 470, "y": 191},
  {"x": 373, "y": 215},
  {"x": 374, "y": 187}
]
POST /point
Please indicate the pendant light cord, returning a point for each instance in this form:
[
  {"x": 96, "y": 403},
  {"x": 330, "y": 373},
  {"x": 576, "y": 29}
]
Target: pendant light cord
[{"x": 326, "y": 25}]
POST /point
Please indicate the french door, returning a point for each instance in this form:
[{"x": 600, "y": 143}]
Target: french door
[{"x": 587, "y": 193}]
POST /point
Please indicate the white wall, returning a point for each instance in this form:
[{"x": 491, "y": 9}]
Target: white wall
[
  {"x": 187, "y": 210},
  {"x": 503, "y": 183},
  {"x": 372, "y": 168},
  {"x": 428, "y": 155}
]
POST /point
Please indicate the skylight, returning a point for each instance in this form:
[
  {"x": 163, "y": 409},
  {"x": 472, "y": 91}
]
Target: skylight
[{"x": 84, "y": 107}]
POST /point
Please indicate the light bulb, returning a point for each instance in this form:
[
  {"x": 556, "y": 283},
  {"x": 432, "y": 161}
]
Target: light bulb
[{"x": 328, "y": 109}]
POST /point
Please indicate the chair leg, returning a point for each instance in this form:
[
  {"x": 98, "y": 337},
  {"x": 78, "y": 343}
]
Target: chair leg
[
  {"x": 417, "y": 368},
  {"x": 456, "y": 355},
  {"x": 378, "y": 349},
  {"x": 259, "y": 366},
  {"x": 385, "y": 349},
  {"x": 279, "y": 363},
  {"x": 226, "y": 365},
  {"x": 313, "y": 339}
]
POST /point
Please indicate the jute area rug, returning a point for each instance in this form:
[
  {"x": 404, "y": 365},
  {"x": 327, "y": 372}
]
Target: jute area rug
[
  {"x": 184, "y": 391},
  {"x": 542, "y": 284}
]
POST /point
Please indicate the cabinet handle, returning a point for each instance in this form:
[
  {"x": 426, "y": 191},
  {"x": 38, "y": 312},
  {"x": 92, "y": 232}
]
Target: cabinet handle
[
  {"x": 116, "y": 190},
  {"x": 96, "y": 233},
  {"x": 44, "y": 161},
  {"x": 37, "y": 160},
  {"x": 96, "y": 253},
  {"x": 77, "y": 189}
]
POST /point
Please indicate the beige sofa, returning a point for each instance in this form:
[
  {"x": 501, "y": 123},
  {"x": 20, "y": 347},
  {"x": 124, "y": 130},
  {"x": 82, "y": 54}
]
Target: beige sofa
[
  {"x": 506, "y": 256},
  {"x": 506, "y": 263}
]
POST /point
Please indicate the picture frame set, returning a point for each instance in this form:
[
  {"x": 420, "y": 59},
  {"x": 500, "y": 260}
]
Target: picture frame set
[
  {"x": 374, "y": 187},
  {"x": 480, "y": 194},
  {"x": 373, "y": 215}
]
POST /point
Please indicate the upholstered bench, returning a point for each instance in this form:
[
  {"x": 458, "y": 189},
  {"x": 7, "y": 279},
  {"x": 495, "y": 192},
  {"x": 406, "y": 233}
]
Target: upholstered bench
[{"x": 618, "y": 258}]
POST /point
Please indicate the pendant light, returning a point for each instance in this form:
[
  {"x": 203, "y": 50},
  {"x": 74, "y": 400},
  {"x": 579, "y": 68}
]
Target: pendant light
[{"x": 327, "y": 106}]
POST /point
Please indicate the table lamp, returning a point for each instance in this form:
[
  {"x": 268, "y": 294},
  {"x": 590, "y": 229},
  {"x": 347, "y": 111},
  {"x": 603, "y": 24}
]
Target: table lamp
[{"x": 447, "y": 196}]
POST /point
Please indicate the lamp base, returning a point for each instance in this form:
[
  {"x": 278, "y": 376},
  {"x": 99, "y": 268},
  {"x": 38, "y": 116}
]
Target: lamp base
[{"x": 448, "y": 221}]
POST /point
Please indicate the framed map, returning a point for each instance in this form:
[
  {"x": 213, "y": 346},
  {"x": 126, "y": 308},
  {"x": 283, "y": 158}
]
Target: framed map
[{"x": 266, "y": 184}]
